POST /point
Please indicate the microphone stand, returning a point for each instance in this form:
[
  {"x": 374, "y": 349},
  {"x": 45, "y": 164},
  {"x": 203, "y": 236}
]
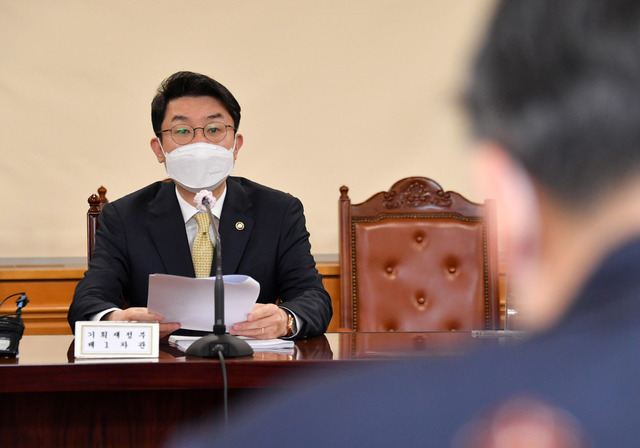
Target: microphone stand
[
  {"x": 220, "y": 341},
  {"x": 12, "y": 327}
]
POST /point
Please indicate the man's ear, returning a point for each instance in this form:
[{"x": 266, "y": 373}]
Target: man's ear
[
  {"x": 502, "y": 178},
  {"x": 238, "y": 145},
  {"x": 157, "y": 149}
]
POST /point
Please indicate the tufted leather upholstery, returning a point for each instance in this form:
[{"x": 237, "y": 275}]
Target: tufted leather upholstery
[{"x": 418, "y": 258}]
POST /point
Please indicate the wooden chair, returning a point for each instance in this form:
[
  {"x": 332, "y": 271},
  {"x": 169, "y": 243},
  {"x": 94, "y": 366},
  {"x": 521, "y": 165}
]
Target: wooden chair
[
  {"x": 417, "y": 258},
  {"x": 96, "y": 201}
]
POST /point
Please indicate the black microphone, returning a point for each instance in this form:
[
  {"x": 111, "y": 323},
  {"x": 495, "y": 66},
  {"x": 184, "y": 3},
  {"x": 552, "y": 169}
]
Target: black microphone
[
  {"x": 12, "y": 327},
  {"x": 220, "y": 341}
]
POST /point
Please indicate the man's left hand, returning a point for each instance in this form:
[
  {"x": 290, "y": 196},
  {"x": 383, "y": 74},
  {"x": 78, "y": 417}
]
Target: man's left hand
[{"x": 266, "y": 321}]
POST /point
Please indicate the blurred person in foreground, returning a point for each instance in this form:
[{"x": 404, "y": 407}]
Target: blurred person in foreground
[{"x": 554, "y": 97}]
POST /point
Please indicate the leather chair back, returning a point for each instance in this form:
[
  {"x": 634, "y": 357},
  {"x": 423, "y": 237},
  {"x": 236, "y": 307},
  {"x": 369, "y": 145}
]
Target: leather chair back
[{"x": 417, "y": 258}]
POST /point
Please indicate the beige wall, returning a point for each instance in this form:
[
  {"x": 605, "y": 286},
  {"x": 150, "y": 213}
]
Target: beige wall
[{"x": 333, "y": 92}]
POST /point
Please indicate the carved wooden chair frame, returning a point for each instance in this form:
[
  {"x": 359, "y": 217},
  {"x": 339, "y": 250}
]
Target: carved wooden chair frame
[
  {"x": 96, "y": 202},
  {"x": 415, "y": 198}
]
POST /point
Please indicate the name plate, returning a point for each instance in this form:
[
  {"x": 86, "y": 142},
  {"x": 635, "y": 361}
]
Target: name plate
[{"x": 106, "y": 339}]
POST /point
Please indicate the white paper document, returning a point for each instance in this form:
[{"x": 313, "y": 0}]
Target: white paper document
[
  {"x": 190, "y": 300},
  {"x": 258, "y": 345}
]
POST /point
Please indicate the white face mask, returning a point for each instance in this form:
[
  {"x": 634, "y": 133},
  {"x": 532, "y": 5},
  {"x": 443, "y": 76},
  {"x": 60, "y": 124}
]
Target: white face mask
[{"x": 199, "y": 166}]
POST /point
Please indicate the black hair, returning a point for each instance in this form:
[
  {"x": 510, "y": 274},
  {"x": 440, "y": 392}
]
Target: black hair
[
  {"x": 185, "y": 83},
  {"x": 557, "y": 84}
]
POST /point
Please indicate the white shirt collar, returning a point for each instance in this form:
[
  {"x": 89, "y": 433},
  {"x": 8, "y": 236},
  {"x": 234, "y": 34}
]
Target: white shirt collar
[{"x": 188, "y": 210}]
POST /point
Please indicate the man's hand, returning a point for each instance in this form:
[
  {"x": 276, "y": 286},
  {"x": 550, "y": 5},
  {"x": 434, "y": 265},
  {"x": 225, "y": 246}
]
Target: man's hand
[
  {"x": 140, "y": 314},
  {"x": 266, "y": 321}
]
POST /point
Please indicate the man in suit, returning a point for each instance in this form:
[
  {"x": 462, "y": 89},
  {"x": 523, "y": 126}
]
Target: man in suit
[
  {"x": 554, "y": 97},
  {"x": 154, "y": 230}
]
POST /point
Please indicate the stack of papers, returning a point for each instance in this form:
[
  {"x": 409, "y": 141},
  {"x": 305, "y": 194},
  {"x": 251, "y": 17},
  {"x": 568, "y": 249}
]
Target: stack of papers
[
  {"x": 258, "y": 345},
  {"x": 190, "y": 300}
]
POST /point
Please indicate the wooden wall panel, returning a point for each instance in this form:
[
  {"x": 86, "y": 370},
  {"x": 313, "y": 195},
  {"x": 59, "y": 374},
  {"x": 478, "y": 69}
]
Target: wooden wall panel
[{"x": 50, "y": 290}]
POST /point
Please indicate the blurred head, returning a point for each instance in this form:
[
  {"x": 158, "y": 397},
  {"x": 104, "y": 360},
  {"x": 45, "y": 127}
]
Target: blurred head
[
  {"x": 557, "y": 85},
  {"x": 554, "y": 100}
]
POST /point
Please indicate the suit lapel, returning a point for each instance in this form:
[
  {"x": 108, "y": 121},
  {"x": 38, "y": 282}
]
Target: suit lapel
[
  {"x": 236, "y": 225},
  {"x": 167, "y": 230}
]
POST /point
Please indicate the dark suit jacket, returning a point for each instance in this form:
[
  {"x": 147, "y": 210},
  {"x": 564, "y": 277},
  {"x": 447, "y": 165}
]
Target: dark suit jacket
[
  {"x": 588, "y": 366},
  {"x": 144, "y": 233}
]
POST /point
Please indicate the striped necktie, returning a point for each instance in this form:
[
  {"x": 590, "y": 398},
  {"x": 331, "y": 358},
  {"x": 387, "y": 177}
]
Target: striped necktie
[{"x": 202, "y": 247}]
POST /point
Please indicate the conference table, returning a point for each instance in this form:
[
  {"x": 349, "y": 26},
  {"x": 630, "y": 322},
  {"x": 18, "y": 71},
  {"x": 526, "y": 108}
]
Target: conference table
[{"x": 49, "y": 398}]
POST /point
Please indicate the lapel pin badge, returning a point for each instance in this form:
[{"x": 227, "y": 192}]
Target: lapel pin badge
[{"x": 239, "y": 225}]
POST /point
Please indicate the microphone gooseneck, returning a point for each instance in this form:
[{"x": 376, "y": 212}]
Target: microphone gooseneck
[
  {"x": 220, "y": 342},
  {"x": 219, "y": 326}
]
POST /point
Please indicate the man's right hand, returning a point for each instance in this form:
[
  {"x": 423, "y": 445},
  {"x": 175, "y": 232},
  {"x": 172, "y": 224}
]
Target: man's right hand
[{"x": 141, "y": 314}]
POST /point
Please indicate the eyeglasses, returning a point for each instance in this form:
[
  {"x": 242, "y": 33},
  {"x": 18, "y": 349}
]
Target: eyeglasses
[{"x": 183, "y": 134}]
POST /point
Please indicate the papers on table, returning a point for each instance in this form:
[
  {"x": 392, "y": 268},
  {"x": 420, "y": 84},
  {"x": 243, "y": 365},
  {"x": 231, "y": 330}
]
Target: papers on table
[
  {"x": 258, "y": 345},
  {"x": 190, "y": 300},
  {"x": 500, "y": 334}
]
